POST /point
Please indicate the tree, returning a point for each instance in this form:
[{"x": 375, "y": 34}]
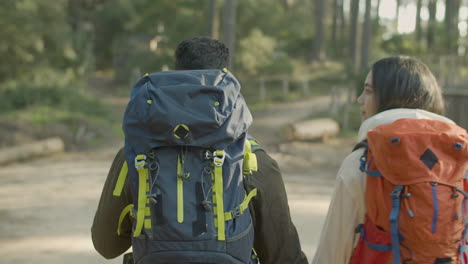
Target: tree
[
  {"x": 418, "y": 21},
  {"x": 431, "y": 24},
  {"x": 353, "y": 32},
  {"x": 213, "y": 19},
  {"x": 35, "y": 36},
  {"x": 452, "y": 8},
  {"x": 397, "y": 14},
  {"x": 377, "y": 15},
  {"x": 318, "y": 51},
  {"x": 365, "y": 46},
  {"x": 342, "y": 24},
  {"x": 335, "y": 21},
  {"x": 229, "y": 27},
  {"x": 338, "y": 24}
]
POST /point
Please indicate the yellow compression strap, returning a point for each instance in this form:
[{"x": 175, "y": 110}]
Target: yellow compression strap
[
  {"x": 218, "y": 161},
  {"x": 125, "y": 211},
  {"x": 121, "y": 180},
  {"x": 250, "y": 159},
  {"x": 242, "y": 207},
  {"x": 140, "y": 164},
  {"x": 147, "y": 216},
  {"x": 147, "y": 223}
]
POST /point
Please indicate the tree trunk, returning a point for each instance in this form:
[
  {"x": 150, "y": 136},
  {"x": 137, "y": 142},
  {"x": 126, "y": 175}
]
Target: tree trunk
[
  {"x": 397, "y": 14},
  {"x": 318, "y": 52},
  {"x": 338, "y": 28},
  {"x": 31, "y": 150},
  {"x": 377, "y": 15},
  {"x": 334, "y": 30},
  {"x": 353, "y": 32},
  {"x": 418, "y": 21},
  {"x": 229, "y": 28},
  {"x": 452, "y": 8},
  {"x": 342, "y": 26},
  {"x": 322, "y": 128},
  {"x": 367, "y": 31},
  {"x": 213, "y": 19},
  {"x": 431, "y": 24}
]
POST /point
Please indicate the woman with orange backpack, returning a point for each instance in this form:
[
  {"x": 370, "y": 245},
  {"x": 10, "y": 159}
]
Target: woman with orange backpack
[{"x": 400, "y": 196}]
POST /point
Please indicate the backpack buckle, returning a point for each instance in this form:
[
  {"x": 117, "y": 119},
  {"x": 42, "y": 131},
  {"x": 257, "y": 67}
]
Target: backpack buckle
[
  {"x": 236, "y": 213},
  {"x": 208, "y": 155},
  {"x": 140, "y": 161},
  {"x": 397, "y": 192},
  {"x": 218, "y": 157}
]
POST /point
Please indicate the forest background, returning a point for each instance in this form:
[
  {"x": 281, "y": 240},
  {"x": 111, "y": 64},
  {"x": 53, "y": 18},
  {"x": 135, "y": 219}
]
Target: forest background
[{"x": 64, "y": 61}]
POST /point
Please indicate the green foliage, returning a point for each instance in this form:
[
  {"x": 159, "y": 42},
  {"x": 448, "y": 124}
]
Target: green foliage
[
  {"x": 126, "y": 30},
  {"x": 290, "y": 27},
  {"x": 54, "y": 95},
  {"x": 401, "y": 44},
  {"x": 71, "y": 38},
  {"x": 256, "y": 51},
  {"x": 35, "y": 34}
]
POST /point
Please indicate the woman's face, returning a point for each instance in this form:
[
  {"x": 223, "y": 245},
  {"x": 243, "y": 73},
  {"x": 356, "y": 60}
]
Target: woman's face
[{"x": 367, "y": 99}]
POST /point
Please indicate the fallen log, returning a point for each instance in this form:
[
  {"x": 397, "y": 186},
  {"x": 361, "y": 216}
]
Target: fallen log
[
  {"x": 316, "y": 129},
  {"x": 31, "y": 150}
]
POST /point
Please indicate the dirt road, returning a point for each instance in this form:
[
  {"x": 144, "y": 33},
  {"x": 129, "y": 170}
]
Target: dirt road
[{"x": 47, "y": 205}]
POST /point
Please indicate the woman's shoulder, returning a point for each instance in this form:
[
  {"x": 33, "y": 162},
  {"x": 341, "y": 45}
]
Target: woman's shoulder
[{"x": 350, "y": 174}]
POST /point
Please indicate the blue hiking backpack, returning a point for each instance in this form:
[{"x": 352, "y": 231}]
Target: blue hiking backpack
[{"x": 187, "y": 154}]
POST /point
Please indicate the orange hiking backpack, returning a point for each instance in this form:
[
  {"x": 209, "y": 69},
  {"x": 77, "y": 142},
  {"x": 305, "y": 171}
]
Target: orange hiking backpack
[{"x": 415, "y": 196}]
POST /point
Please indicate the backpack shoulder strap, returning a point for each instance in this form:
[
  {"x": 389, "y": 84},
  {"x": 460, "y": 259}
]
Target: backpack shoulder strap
[
  {"x": 254, "y": 144},
  {"x": 362, "y": 144},
  {"x": 363, "y": 159},
  {"x": 250, "y": 159}
]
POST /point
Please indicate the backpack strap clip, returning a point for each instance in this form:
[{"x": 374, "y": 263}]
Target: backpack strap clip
[
  {"x": 239, "y": 210},
  {"x": 218, "y": 157},
  {"x": 140, "y": 161},
  {"x": 397, "y": 192}
]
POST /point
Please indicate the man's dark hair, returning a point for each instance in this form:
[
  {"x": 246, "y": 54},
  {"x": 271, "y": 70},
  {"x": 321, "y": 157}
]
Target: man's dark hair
[{"x": 201, "y": 53}]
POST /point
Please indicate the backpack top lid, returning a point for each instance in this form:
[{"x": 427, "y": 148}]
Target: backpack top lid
[
  {"x": 409, "y": 151},
  {"x": 202, "y": 108}
]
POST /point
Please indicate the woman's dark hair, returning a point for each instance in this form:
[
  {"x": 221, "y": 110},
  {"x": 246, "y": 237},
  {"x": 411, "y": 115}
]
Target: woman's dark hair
[
  {"x": 201, "y": 53},
  {"x": 405, "y": 82}
]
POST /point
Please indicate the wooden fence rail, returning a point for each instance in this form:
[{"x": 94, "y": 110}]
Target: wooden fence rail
[{"x": 456, "y": 102}]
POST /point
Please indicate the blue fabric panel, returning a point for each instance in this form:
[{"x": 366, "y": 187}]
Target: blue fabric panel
[
  {"x": 463, "y": 248},
  {"x": 465, "y": 231},
  {"x": 394, "y": 223},
  {"x": 373, "y": 173},
  {"x": 377, "y": 247},
  {"x": 436, "y": 208},
  {"x": 362, "y": 164}
]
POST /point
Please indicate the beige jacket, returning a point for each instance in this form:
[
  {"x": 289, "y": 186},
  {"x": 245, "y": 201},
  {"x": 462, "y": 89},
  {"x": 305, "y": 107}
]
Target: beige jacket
[{"x": 347, "y": 208}]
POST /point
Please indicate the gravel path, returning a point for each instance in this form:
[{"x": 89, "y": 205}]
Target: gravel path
[{"x": 47, "y": 205}]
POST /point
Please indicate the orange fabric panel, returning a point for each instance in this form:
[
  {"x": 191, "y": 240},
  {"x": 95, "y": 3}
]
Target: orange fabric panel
[{"x": 401, "y": 163}]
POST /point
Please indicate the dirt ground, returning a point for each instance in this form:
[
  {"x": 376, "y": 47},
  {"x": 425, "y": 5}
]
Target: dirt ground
[{"x": 47, "y": 205}]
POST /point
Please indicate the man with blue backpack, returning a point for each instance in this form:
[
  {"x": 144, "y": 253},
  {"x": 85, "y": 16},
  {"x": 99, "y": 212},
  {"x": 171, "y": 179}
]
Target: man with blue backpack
[{"x": 190, "y": 186}]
